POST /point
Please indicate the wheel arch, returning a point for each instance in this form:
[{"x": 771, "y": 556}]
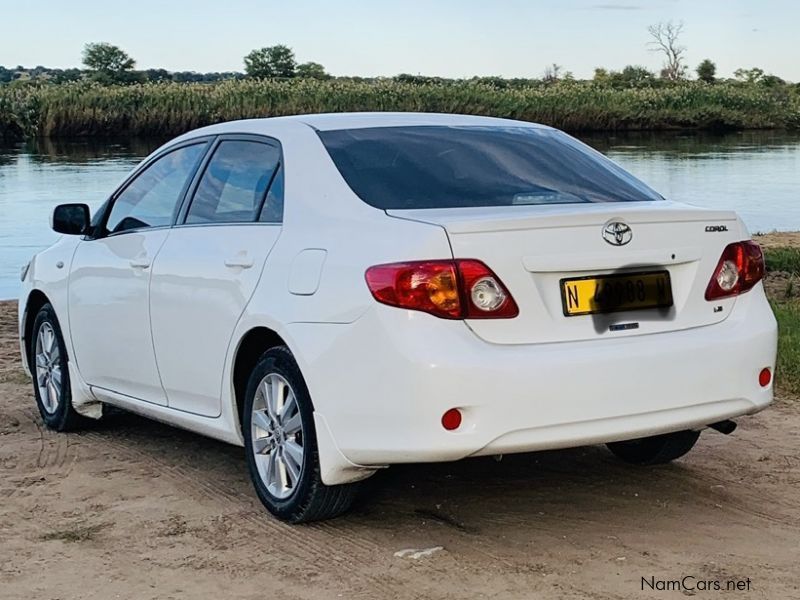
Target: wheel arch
[
  {"x": 36, "y": 300},
  {"x": 251, "y": 346},
  {"x": 334, "y": 466}
]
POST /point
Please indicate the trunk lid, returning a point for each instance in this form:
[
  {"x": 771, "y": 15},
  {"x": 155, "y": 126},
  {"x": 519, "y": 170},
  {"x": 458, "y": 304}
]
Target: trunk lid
[{"x": 532, "y": 248}]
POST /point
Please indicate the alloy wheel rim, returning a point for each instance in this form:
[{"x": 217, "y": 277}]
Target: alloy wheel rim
[
  {"x": 277, "y": 436},
  {"x": 49, "y": 377}
]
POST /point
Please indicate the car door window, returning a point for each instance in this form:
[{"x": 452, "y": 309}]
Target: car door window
[
  {"x": 235, "y": 183},
  {"x": 152, "y": 198}
]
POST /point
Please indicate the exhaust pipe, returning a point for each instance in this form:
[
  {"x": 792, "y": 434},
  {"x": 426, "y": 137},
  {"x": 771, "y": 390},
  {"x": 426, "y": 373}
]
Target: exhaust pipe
[{"x": 727, "y": 426}]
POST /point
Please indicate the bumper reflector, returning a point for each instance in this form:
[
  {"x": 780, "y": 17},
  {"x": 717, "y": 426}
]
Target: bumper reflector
[
  {"x": 764, "y": 377},
  {"x": 451, "y": 419}
]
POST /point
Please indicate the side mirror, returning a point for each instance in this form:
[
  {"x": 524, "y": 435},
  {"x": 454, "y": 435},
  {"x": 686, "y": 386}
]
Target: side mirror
[{"x": 71, "y": 219}]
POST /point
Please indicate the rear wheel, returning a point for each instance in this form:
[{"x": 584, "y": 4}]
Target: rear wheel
[
  {"x": 281, "y": 444},
  {"x": 51, "y": 384},
  {"x": 655, "y": 450}
]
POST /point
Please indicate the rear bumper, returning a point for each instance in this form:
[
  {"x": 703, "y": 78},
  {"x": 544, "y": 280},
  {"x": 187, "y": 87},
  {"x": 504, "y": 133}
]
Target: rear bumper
[{"x": 383, "y": 383}]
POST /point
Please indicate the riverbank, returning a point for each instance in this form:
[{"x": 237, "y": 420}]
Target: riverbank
[{"x": 166, "y": 109}]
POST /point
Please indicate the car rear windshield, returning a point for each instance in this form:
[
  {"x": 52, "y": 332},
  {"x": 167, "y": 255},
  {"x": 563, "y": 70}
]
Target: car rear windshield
[{"x": 450, "y": 167}]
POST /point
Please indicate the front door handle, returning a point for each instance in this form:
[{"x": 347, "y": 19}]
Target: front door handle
[
  {"x": 140, "y": 263},
  {"x": 241, "y": 261}
]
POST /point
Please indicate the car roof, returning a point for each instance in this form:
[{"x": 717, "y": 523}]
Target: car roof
[{"x": 334, "y": 121}]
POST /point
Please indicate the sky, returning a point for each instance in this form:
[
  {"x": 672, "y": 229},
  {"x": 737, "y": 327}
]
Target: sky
[{"x": 448, "y": 38}]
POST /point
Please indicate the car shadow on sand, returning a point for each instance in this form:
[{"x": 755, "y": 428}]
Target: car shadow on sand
[{"x": 473, "y": 496}]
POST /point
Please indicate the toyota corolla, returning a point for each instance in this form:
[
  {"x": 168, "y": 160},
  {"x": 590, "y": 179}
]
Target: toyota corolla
[{"x": 340, "y": 293}]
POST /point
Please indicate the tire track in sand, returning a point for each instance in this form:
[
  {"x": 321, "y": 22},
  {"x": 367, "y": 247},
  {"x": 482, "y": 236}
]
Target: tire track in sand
[{"x": 316, "y": 543}]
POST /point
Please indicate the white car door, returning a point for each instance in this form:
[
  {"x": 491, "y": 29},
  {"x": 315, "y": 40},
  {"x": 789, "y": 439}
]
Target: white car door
[
  {"x": 209, "y": 266},
  {"x": 110, "y": 274}
]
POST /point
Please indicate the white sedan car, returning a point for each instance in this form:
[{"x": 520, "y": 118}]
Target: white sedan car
[{"x": 339, "y": 293}]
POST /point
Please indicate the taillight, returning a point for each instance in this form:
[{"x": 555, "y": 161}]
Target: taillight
[
  {"x": 484, "y": 295},
  {"x": 740, "y": 267},
  {"x": 451, "y": 289}
]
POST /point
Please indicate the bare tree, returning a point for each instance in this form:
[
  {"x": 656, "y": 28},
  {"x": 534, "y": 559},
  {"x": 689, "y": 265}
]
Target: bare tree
[
  {"x": 665, "y": 40},
  {"x": 552, "y": 73}
]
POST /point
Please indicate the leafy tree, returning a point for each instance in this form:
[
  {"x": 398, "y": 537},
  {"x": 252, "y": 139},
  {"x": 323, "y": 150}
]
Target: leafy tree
[
  {"x": 64, "y": 75},
  {"x": 601, "y": 75},
  {"x": 630, "y": 76},
  {"x": 753, "y": 75},
  {"x": 665, "y": 41},
  {"x": 311, "y": 70},
  {"x": 158, "y": 75},
  {"x": 636, "y": 75},
  {"x": 756, "y": 75},
  {"x": 273, "y": 61},
  {"x": 706, "y": 71},
  {"x": 187, "y": 76},
  {"x": 772, "y": 81},
  {"x": 108, "y": 63}
]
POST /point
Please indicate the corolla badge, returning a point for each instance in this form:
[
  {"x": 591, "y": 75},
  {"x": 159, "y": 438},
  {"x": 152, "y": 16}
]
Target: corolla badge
[{"x": 617, "y": 233}]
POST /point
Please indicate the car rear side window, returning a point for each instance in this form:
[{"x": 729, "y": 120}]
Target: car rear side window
[
  {"x": 272, "y": 212},
  {"x": 151, "y": 199},
  {"x": 450, "y": 167},
  {"x": 235, "y": 183}
]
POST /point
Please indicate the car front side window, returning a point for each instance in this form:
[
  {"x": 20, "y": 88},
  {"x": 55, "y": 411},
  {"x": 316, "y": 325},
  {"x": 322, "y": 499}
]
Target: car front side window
[{"x": 151, "y": 199}]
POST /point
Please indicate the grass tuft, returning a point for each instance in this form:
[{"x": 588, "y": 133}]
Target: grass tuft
[
  {"x": 75, "y": 534},
  {"x": 15, "y": 376},
  {"x": 783, "y": 259}
]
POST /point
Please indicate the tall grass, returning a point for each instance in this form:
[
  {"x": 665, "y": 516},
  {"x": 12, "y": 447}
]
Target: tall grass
[
  {"x": 172, "y": 108},
  {"x": 787, "y": 311},
  {"x": 787, "y": 371},
  {"x": 783, "y": 259}
]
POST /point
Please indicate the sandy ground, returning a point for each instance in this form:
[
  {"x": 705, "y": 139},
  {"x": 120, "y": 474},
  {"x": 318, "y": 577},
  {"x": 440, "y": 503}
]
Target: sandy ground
[
  {"x": 776, "y": 239},
  {"x": 134, "y": 509}
]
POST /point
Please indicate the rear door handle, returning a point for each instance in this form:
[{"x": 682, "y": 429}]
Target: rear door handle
[
  {"x": 140, "y": 263},
  {"x": 241, "y": 261}
]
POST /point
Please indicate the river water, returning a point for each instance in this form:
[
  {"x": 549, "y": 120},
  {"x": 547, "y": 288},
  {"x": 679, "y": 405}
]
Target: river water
[{"x": 757, "y": 173}]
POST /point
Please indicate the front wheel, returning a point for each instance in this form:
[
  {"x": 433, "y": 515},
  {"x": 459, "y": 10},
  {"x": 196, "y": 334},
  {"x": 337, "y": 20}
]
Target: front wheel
[
  {"x": 51, "y": 384},
  {"x": 655, "y": 450},
  {"x": 281, "y": 444}
]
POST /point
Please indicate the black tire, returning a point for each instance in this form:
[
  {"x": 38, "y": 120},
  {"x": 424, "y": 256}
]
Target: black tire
[
  {"x": 62, "y": 417},
  {"x": 309, "y": 499},
  {"x": 655, "y": 450}
]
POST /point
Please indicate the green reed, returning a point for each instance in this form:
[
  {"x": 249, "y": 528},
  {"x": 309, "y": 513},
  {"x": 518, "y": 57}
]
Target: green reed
[{"x": 166, "y": 109}]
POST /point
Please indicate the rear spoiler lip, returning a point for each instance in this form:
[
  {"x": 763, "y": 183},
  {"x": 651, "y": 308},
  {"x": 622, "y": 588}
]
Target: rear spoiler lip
[{"x": 513, "y": 218}]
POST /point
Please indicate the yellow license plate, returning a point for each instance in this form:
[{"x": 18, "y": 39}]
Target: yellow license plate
[{"x": 615, "y": 293}]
